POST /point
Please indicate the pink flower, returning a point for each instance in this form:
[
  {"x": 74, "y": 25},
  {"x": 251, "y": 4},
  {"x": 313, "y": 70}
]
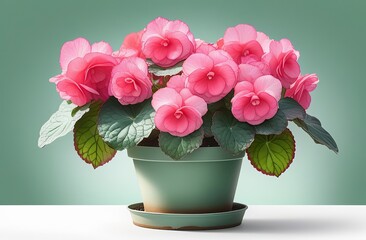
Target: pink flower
[
  {"x": 300, "y": 90},
  {"x": 264, "y": 41},
  {"x": 177, "y": 82},
  {"x": 204, "y": 47},
  {"x": 210, "y": 76},
  {"x": 282, "y": 60},
  {"x": 219, "y": 43},
  {"x": 178, "y": 113},
  {"x": 251, "y": 71},
  {"x": 86, "y": 71},
  {"x": 130, "y": 81},
  {"x": 167, "y": 42},
  {"x": 70, "y": 90},
  {"x": 241, "y": 43},
  {"x": 131, "y": 46},
  {"x": 258, "y": 101}
]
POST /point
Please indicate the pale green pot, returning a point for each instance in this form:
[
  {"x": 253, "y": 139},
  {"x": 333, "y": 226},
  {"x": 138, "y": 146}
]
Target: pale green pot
[{"x": 202, "y": 182}]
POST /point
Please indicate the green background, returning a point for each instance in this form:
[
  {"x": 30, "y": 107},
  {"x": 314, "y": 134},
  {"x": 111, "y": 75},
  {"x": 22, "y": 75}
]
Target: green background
[{"x": 330, "y": 36}]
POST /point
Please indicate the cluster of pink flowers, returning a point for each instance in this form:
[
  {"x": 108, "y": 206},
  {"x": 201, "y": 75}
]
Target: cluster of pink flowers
[{"x": 258, "y": 70}]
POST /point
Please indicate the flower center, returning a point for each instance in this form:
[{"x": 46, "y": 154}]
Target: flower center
[
  {"x": 255, "y": 100},
  {"x": 178, "y": 114},
  {"x": 165, "y": 42},
  {"x": 210, "y": 75},
  {"x": 129, "y": 86},
  {"x": 129, "y": 80},
  {"x": 246, "y": 53}
]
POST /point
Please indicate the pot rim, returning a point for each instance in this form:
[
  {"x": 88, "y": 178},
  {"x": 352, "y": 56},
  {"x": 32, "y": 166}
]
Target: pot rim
[{"x": 202, "y": 154}]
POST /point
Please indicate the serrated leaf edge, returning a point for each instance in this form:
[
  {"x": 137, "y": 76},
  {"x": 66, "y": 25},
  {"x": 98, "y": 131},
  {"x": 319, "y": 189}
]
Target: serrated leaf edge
[
  {"x": 190, "y": 151},
  {"x": 77, "y": 149},
  {"x": 46, "y": 142},
  {"x": 269, "y": 174}
]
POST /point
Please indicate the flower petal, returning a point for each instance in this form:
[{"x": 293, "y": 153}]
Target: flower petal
[
  {"x": 166, "y": 96},
  {"x": 197, "y": 61},
  {"x": 102, "y": 47},
  {"x": 197, "y": 103},
  {"x": 268, "y": 84},
  {"x": 73, "y": 49},
  {"x": 241, "y": 33}
]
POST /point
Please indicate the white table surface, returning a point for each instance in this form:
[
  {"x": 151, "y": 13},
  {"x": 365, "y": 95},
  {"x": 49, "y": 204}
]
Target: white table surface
[{"x": 114, "y": 222}]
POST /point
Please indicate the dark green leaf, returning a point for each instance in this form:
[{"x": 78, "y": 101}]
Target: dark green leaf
[
  {"x": 272, "y": 154},
  {"x": 275, "y": 125},
  {"x": 217, "y": 106},
  {"x": 313, "y": 127},
  {"x": 232, "y": 135},
  {"x": 78, "y": 108},
  {"x": 124, "y": 126},
  {"x": 207, "y": 124},
  {"x": 178, "y": 147},
  {"x": 87, "y": 141},
  {"x": 291, "y": 109},
  {"x": 227, "y": 99},
  {"x": 60, "y": 123}
]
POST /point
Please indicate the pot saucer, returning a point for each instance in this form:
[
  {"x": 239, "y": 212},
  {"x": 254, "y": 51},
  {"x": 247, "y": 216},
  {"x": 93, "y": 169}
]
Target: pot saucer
[{"x": 189, "y": 221}]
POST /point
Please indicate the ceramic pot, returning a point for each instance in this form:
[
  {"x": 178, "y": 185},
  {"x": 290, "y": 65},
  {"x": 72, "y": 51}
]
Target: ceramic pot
[{"x": 202, "y": 182}]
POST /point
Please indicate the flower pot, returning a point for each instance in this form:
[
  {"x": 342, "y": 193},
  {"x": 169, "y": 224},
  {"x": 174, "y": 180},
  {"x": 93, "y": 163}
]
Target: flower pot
[{"x": 202, "y": 182}]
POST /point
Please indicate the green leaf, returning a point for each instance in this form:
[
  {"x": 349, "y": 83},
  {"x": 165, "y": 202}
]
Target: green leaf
[
  {"x": 207, "y": 124},
  {"x": 124, "y": 126},
  {"x": 178, "y": 147},
  {"x": 60, "y": 123},
  {"x": 272, "y": 154},
  {"x": 275, "y": 125},
  {"x": 78, "y": 108},
  {"x": 313, "y": 127},
  {"x": 216, "y": 106},
  {"x": 291, "y": 109},
  {"x": 160, "y": 71},
  {"x": 227, "y": 99},
  {"x": 87, "y": 141},
  {"x": 232, "y": 135}
]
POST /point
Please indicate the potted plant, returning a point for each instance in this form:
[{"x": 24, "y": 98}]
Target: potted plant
[{"x": 186, "y": 111}]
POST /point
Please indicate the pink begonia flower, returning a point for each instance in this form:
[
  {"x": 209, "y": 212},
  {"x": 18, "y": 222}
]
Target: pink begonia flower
[
  {"x": 130, "y": 82},
  {"x": 178, "y": 113},
  {"x": 204, "y": 47},
  {"x": 301, "y": 88},
  {"x": 255, "y": 102},
  {"x": 131, "y": 46},
  {"x": 167, "y": 42},
  {"x": 264, "y": 41},
  {"x": 241, "y": 43},
  {"x": 86, "y": 71},
  {"x": 251, "y": 71},
  {"x": 282, "y": 60},
  {"x": 177, "y": 82},
  {"x": 210, "y": 76},
  {"x": 219, "y": 43}
]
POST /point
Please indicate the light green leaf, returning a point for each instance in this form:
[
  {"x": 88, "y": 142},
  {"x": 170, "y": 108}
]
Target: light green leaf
[
  {"x": 160, "y": 71},
  {"x": 60, "y": 123},
  {"x": 178, "y": 147},
  {"x": 232, "y": 135},
  {"x": 87, "y": 141},
  {"x": 124, "y": 126},
  {"x": 291, "y": 109},
  {"x": 275, "y": 125},
  {"x": 272, "y": 154},
  {"x": 313, "y": 127}
]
